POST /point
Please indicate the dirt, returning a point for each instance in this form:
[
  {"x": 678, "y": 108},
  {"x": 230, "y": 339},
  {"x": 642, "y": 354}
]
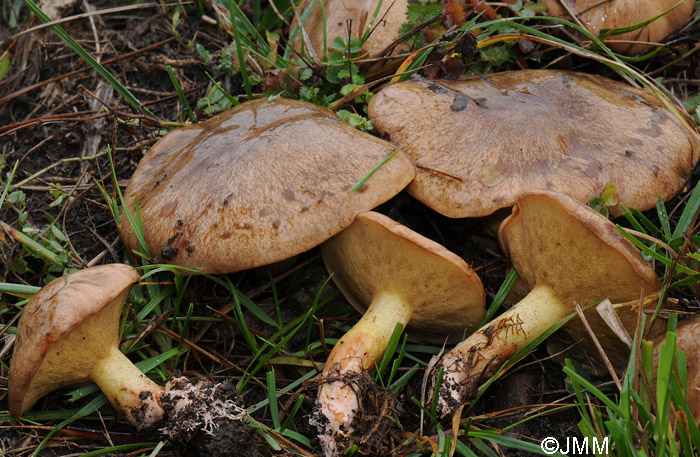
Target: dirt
[
  {"x": 205, "y": 418},
  {"x": 52, "y": 108},
  {"x": 372, "y": 423}
]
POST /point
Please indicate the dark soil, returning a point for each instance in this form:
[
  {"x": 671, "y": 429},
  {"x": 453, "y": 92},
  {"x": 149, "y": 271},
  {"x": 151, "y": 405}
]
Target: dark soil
[{"x": 53, "y": 107}]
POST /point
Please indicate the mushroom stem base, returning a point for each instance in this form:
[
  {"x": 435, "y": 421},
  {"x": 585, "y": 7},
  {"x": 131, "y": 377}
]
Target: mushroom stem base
[
  {"x": 132, "y": 394},
  {"x": 477, "y": 358},
  {"x": 199, "y": 415},
  {"x": 358, "y": 351}
]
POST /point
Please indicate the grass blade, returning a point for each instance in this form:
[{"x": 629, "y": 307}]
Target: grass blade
[
  {"x": 364, "y": 179},
  {"x": 390, "y": 349},
  {"x": 501, "y": 295},
  {"x": 237, "y": 14},
  {"x": 689, "y": 211},
  {"x": 180, "y": 93},
  {"x": 272, "y": 397}
]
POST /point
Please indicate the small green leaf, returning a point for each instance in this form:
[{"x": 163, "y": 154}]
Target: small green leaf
[
  {"x": 5, "y": 62},
  {"x": 17, "y": 197}
]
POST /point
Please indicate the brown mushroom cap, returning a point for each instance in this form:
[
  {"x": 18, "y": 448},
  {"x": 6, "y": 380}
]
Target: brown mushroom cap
[
  {"x": 480, "y": 142},
  {"x": 258, "y": 184},
  {"x": 377, "y": 255},
  {"x": 64, "y": 328},
  {"x": 597, "y": 15},
  {"x": 566, "y": 254},
  {"x": 385, "y": 28}
]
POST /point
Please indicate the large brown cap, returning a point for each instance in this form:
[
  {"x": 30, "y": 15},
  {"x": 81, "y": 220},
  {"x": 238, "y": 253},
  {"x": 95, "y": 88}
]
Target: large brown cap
[
  {"x": 258, "y": 184},
  {"x": 480, "y": 142},
  {"x": 597, "y": 15},
  {"x": 377, "y": 255},
  {"x": 385, "y": 28},
  {"x": 554, "y": 241},
  {"x": 60, "y": 307}
]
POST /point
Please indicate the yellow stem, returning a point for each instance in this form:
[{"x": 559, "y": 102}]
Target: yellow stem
[
  {"x": 358, "y": 350},
  {"x": 477, "y": 358},
  {"x": 364, "y": 344},
  {"x": 130, "y": 392}
]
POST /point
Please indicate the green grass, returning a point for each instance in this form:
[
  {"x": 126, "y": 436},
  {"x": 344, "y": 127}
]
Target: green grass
[
  {"x": 270, "y": 333},
  {"x": 638, "y": 421}
]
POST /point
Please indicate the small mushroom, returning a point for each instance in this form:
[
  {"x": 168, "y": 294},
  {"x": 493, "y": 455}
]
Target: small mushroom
[
  {"x": 480, "y": 142},
  {"x": 688, "y": 341},
  {"x": 341, "y": 14},
  {"x": 596, "y": 15},
  {"x": 256, "y": 185},
  {"x": 566, "y": 254},
  {"x": 69, "y": 335},
  {"x": 393, "y": 275}
]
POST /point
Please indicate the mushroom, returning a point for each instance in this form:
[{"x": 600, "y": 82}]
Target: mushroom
[
  {"x": 596, "y": 15},
  {"x": 393, "y": 275},
  {"x": 69, "y": 335},
  {"x": 566, "y": 254},
  {"x": 256, "y": 185},
  {"x": 688, "y": 341},
  {"x": 480, "y": 142},
  {"x": 341, "y": 14}
]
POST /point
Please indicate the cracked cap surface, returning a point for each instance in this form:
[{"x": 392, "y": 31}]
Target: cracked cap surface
[
  {"x": 258, "y": 184},
  {"x": 480, "y": 142}
]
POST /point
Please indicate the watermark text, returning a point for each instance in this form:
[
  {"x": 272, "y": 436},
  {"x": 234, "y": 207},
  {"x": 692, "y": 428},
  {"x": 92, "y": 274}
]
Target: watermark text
[{"x": 573, "y": 445}]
